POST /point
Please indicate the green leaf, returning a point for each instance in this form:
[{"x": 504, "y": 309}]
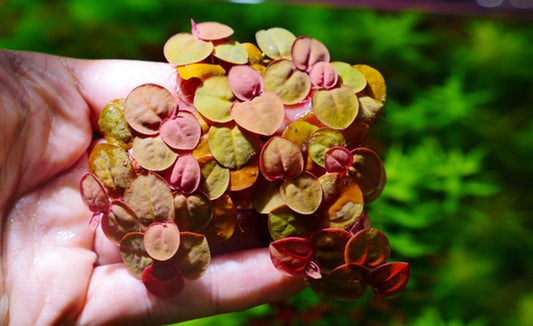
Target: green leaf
[
  {"x": 231, "y": 51},
  {"x": 321, "y": 141},
  {"x": 112, "y": 166},
  {"x": 232, "y": 147},
  {"x": 114, "y": 126},
  {"x": 285, "y": 223},
  {"x": 215, "y": 177},
  {"x": 350, "y": 76},
  {"x": 275, "y": 42},
  {"x": 213, "y": 99},
  {"x": 337, "y": 107},
  {"x": 184, "y": 48},
  {"x": 282, "y": 78}
]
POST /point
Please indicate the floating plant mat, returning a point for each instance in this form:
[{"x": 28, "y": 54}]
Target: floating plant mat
[{"x": 264, "y": 131}]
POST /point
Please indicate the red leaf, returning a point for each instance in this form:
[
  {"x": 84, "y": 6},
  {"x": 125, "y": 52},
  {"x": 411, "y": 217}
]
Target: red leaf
[
  {"x": 338, "y": 159},
  {"x": 290, "y": 255},
  {"x": 369, "y": 247},
  {"x": 323, "y": 75},
  {"x": 183, "y": 132},
  {"x": 163, "y": 280},
  {"x": 185, "y": 174},
  {"x": 94, "y": 194},
  {"x": 245, "y": 82},
  {"x": 389, "y": 279}
]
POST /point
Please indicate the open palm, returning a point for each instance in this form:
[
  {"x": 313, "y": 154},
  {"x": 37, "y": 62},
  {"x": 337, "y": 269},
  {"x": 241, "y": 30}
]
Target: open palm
[{"x": 55, "y": 270}]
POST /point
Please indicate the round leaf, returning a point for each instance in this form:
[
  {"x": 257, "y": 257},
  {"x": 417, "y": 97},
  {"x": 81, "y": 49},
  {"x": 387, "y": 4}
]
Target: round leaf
[
  {"x": 298, "y": 132},
  {"x": 336, "y": 108},
  {"x": 346, "y": 205},
  {"x": 285, "y": 223},
  {"x": 302, "y": 194},
  {"x": 152, "y": 153},
  {"x": 321, "y": 141},
  {"x": 134, "y": 254},
  {"x": 369, "y": 109},
  {"x": 93, "y": 193},
  {"x": 215, "y": 177},
  {"x": 368, "y": 171},
  {"x": 389, "y": 279},
  {"x": 112, "y": 166},
  {"x": 244, "y": 177},
  {"x": 114, "y": 126},
  {"x": 275, "y": 42},
  {"x": 350, "y": 76},
  {"x": 282, "y": 78},
  {"x": 232, "y": 147},
  {"x": 120, "y": 221},
  {"x": 266, "y": 196},
  {"x": 263, "y": 115},
  {"x": 161, "y": 240},
  {"x": 323, "y": 75},
  {"x": 376, "y": 87},
  {"x": 163, "y": 280},
  {"x": 209, "y": 31},
  {"x": 184, "y": 48},
  {"x": 231, "y": 51},
  {"x": 149, "y": 196},
  {"x": 369, "y": 247},
  {"x": 290, "y": 254},
  {"x": 185, "y": 175},
  {"x": 347, "y": 282},
  {"x": 193, "y": 256},
  {"x": 213, "y": 99},
  {"x": 245, "y": 82},
  {"x": 194, "y": 212},
  {"x": 147, "y": 106},
  {"x": 255, "y": 57},
  {"x": 182, "y": 132},
  {"x": 307, "y": 51},
  {"x": 328, "y": 248},
  {"x": 224, "y": 220},
  {"x": 201, "y": 71},
  {"x": 337, "y": 159},
  {"x": 281, "y": 158}
]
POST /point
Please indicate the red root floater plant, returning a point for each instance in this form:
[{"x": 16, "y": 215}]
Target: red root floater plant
[{"x": 274, "y": 131}]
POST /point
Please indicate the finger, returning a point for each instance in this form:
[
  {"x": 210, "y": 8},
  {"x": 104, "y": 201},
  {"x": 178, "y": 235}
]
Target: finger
[
  {"x": 233, "y": 282},
  {"x": 101, "y": 81}
]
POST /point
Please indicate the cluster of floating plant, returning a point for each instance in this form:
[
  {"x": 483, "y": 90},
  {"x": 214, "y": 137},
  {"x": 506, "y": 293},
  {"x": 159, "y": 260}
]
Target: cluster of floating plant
[{"x": 272, "y": 130}]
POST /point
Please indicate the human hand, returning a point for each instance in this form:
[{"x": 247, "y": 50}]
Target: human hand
[{"x": 55, "y": 270}]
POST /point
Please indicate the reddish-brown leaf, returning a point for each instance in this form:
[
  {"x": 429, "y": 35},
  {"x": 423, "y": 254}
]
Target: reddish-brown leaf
[
  {"x": 389, "y": 279},
  {"x": 290, "y": 255}
]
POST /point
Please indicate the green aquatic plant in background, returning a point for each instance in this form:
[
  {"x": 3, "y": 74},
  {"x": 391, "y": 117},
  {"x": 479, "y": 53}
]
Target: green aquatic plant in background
[{"x": 456, "y": 139}]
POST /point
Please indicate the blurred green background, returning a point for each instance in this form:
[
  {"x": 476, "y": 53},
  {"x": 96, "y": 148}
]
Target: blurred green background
[{"x": 456, "y": 139}]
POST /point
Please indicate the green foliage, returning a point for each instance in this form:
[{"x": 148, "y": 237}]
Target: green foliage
[{"x": 456, "y": 140}]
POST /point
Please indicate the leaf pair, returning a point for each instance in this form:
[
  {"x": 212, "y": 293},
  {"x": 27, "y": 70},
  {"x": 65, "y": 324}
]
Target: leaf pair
[{"x": 207, "y": 38}]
